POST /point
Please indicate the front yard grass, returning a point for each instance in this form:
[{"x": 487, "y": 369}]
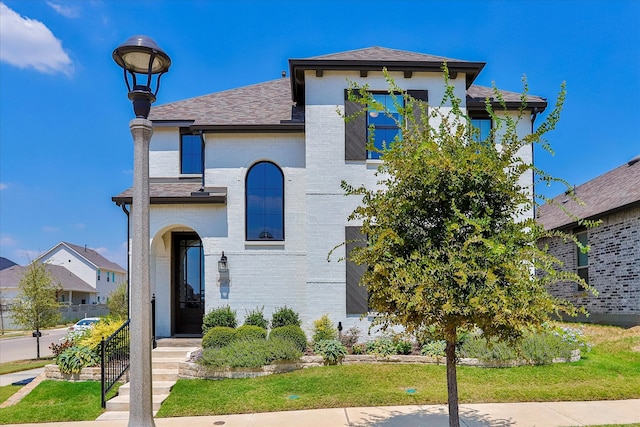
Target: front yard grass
[
  {"x": 23, "y": 365},
  {"x": 610, "y": 371}
]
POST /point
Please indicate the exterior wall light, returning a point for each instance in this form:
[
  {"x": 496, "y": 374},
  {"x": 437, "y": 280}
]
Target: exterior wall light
[{"x": 223, "y": 265}]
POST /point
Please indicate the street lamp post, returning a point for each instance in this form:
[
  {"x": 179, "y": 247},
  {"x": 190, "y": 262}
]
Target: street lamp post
[{"x": 140, "y": 57}]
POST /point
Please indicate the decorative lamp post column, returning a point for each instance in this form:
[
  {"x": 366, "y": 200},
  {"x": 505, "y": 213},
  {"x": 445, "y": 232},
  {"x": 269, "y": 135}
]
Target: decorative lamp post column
[{"x": 141, "y": 58}]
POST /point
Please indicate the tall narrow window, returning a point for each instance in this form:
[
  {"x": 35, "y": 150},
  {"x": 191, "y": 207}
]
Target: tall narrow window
[
  {"x": 481, "y": 129},
  {"x": 384, "y": 120},
  {"x": 190, "y": 154},
  {"x": 264, "y": 202},
  {"x": 98, "y": 274},
  {"x": 582, "y": 258}
]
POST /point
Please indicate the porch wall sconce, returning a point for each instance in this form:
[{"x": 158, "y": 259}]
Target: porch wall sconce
[{"x": 223, "y": 265}]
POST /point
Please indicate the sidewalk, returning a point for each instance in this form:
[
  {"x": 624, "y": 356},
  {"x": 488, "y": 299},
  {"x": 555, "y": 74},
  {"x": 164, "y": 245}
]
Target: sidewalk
[{"x": 547, "y": 414}]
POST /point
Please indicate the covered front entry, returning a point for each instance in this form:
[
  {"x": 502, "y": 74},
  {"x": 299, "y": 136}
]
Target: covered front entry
[{"x": 187, "y": 283}]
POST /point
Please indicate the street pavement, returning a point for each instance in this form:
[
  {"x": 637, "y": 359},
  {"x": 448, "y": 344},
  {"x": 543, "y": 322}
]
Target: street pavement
[
  {"x": 24, "y": 347},
  {"x": 526, "y": 414}
]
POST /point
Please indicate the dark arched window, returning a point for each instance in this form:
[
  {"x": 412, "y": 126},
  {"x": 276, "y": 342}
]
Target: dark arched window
[{"x": 264, "y": 202}]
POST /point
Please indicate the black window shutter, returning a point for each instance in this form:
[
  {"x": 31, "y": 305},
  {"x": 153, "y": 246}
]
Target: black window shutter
[
  {"x": 420, "y": 96},
  {"x": 357, "y": 300},
  {"x": 355, "y": 130}
]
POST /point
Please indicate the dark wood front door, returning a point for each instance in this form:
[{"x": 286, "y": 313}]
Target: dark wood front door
[{"x": 188, "y": 283}]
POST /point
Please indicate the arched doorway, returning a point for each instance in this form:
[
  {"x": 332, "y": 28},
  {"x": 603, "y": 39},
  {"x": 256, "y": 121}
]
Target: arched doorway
[{"x": 188, "y": 287}]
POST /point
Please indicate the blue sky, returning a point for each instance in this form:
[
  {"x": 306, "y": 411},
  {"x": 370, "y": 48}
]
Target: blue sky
[{"x": 65, "y": 146}]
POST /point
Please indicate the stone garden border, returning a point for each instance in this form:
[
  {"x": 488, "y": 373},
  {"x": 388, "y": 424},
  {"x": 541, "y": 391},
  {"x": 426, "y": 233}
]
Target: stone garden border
[
  {"x": 193, "y": 370},
  {"x": 93, "y": 373}
]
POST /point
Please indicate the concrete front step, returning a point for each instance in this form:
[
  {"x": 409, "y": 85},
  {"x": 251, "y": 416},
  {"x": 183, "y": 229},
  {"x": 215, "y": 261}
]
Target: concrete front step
[
  {"x": 121, "y": 403},
  {"x": 164, "y": 374},
  {"x": 172, "y": 352},
  {"x": 167, "y": 363},
  {"x": 158, "y": 387},
  {"x": 179, "y": 342}
]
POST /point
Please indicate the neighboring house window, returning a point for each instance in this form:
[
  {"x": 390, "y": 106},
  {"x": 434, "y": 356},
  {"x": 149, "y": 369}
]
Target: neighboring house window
[
  {"x": 190, "y": 154},
  {"x": 264, "y": 202},
  {"x": 62, "y": 298},
  {"x": 113, "y": 277},
  {"x": 582, "y": 258},
  {"x": 357, "y": 296},
  {"x": 98, "y": 299},
  {"x": 481, "y": 129},
  {"x": 356, "y": 128},
  {"x": 98, "y": 274},
  {"x": 107, "y": 276}
]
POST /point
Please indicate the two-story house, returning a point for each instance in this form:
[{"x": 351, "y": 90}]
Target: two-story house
[{"x": 254, "y": 174}]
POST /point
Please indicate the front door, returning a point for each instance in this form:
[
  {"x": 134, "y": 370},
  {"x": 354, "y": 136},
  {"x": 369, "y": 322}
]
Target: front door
[{"x": 188, "y": 283}]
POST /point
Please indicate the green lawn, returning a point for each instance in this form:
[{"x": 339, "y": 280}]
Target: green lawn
[{"x": 23, "y": 365}]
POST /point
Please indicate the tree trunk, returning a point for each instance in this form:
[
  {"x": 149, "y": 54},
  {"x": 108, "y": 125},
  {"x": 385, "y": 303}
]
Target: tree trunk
[{"x": 452, "y": 381}]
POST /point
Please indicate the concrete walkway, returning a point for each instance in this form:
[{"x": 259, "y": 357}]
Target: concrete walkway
[{"x": 548, "y": 414}]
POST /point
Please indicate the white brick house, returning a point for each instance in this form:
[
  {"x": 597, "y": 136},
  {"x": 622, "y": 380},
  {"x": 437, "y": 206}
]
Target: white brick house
[
  {"x": 612, "y": 266},
  {"x": 255, "y": 173}
]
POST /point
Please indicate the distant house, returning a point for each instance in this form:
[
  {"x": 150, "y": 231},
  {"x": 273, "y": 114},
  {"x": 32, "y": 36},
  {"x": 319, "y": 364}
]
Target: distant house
[
  {"x": 100, "y": 274},
  {"x": 612, "y": 266},
  {"x": 6, "y": 263}
]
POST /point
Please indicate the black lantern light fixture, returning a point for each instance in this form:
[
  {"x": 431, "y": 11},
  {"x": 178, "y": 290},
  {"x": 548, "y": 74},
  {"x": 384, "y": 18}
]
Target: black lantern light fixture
[
  {"x": 223, "y": 265},
  {"x": 141, "y": 55}
]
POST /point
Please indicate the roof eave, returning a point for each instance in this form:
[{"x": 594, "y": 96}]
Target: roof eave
[
  {"x": 251, "y": 128},
  {"x": 479, "y": 105}
]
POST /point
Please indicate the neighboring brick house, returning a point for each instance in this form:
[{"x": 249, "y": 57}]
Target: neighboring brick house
[
  {"x": 101, "y": 275},
  {"x": 612, "y": 266},
  {"x": 255, "y": 172}
]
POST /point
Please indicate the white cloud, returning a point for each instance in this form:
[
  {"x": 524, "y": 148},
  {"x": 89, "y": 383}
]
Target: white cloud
[
  {"x": 28, "y": 43},
  {"x": 3, "y": 186},
  {"x": 79, "y": 226},
  {"x": 6, "y": 240},
  {"x": 66, "y": 11}
]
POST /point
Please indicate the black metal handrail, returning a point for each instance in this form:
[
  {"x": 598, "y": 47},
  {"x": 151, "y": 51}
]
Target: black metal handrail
[{"x": 114, "y": 352}]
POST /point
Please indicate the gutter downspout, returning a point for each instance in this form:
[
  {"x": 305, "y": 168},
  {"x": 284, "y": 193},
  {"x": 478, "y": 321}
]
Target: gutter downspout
[
  {"x": 124, "y": 209},
  {"x": 534, "y": 114}
]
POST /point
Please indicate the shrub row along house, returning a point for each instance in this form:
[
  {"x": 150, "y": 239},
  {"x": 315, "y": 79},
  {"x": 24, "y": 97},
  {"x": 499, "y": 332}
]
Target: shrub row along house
[
  {"x": 252, "y": 176},
  {"x": 612, "y": 266}
]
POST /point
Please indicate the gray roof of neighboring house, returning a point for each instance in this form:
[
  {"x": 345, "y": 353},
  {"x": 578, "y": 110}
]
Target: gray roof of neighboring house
[
  {"x": 269, "y": 106},
  {"x": 90, "y": 255},
  {"x": 6, "y": 263},
  {"x": 10, "y": 277},
  {"x": 613, "y": 191}
]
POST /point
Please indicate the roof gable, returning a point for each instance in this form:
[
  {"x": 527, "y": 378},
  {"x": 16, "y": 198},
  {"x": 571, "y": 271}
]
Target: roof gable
[
  {"x": 383, "y": 54},
  {"x": 89, "y": 255},
  {"x": 610, "y": 192},
  {"x": 10, "y": 278}
]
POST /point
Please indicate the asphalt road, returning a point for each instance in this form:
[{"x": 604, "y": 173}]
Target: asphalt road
[{"x": 20, "y": 348}]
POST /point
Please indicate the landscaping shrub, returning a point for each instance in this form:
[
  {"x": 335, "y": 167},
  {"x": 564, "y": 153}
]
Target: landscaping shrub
[
  {"x": 250, "y": 353},
  {"x": 478, "y": 347},
  {"x": 324, "y": 329},
  {"x": 350, "y": 336},
  {"x": 292, "y": 333},
  {"x": 251, "y": 332},
  {"x": 103, "y": 329},
  {"x": 219, "y": 336},
  {"x": 434, "y": 348},
  {"x": 404, "y": 347},
  {"x": 383, "y": 346},
  {"x": 74, "y": 358},
  {"x": 57, "y": 349},
  {"x": 284, "y": 316},
  {"x": 359, "y": 348},
  {"x": 256, "y": 318},
  {"x": 221, "y": 316},
  {"x": 332, "y": 351}
]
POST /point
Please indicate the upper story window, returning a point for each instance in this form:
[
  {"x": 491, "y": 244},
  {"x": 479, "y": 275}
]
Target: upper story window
[
  {"x": 264, "y": 202},
  {"x": 98, "y": 274},
  {"x": 190, "y": 154},
  {"x": 385, "y": 120},
  {"x": 481, "y": 129}
]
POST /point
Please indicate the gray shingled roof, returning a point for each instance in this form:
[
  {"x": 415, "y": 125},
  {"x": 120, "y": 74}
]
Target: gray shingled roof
[
  {"x": 94, "y": 257},
  {"x": 6, "y": 263},
  {"x": 10, "y": 278},
  {"x": 383, "y": 54},
  {"x": 612, "y": 191},
  {"x": 266, "y": 103},
  {"x": 164, "y": 193},
  {"x": 476, "y": 96}
]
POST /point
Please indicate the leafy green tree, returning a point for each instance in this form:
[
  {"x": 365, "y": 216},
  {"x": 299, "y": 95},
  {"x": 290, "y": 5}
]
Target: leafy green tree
[
  {"x": 37, "y": 306},
  {"x": 449, "y": 243},
  {"x": 118, "y": 302}
]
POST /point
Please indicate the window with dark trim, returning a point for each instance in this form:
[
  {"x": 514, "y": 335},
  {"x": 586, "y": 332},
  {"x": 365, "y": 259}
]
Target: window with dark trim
[
  {"x": 190, "y": 154},
  {"x": 356, "y": 127},
  {"x": 264, "y": 202},
  {"x": 481, "y": 129},
  {"x": 384, "y": 120},
  {"x": 582, "y": 258}
]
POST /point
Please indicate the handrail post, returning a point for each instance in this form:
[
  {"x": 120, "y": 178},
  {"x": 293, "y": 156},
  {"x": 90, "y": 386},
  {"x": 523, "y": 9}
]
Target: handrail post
[
  {"x": 103, "y": 400},
  {"x": 153, "y": 321}
]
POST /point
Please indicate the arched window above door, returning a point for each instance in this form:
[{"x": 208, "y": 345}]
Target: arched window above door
[{"x": 264, "y": 203}]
